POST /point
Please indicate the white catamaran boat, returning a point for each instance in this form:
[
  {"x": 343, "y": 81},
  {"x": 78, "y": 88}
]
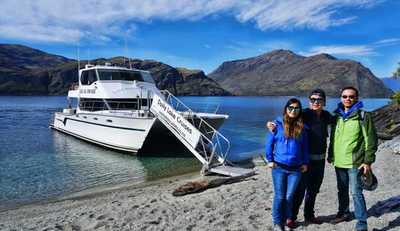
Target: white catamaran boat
[{"x": 121, "y": 108}]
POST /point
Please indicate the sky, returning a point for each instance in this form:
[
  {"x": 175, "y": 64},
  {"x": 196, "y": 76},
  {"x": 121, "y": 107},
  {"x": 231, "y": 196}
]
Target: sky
[{"x": 201, "y": 34}]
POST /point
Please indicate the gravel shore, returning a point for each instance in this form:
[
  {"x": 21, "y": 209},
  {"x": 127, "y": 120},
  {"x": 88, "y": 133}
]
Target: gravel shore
[{"x": 245, "y": 205}]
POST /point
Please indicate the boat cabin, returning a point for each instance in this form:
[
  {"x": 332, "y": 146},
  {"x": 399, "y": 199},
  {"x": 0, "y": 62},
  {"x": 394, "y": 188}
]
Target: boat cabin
[{"x": 92, "y": 74}]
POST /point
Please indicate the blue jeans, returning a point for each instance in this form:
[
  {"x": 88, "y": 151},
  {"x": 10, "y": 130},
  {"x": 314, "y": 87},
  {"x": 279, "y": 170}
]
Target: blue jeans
[
  {"x": 285, "y": 183},
  {"x": 348, "y": 177}
]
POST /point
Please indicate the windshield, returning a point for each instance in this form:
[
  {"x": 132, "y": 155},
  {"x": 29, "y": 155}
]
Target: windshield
[
  {"x": 147, "y": 77},
  {"x": 106, "y": 74}
]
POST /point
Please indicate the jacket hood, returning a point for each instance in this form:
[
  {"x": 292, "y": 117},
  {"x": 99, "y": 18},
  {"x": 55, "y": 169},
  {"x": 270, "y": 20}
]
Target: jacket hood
[{"x": 345, "y": 115}]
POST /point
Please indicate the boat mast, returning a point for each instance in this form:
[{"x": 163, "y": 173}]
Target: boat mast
[{"x": 126, "y": 51}]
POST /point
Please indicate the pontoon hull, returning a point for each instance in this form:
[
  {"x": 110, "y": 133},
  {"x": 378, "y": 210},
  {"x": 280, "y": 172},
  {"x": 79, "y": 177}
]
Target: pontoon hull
[
  {"x": 123, "y": 133},
  {"x": 120, "y": 133}
]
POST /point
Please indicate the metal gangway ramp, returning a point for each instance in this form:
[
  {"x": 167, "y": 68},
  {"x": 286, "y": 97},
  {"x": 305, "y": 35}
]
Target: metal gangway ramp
[{"x": 208, "y": 145}]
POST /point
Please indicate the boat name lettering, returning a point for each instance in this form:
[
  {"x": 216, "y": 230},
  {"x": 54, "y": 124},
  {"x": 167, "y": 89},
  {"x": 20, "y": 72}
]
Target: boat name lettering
[
  {"x": 87, "y": 91},
  {"x": 178, "y": 118},
  {"x": 162, "y": 105},
  {"x": 184, "y": 125},
  {"x": 171, "y": 113},
  {"x": 175, "y": 121}
]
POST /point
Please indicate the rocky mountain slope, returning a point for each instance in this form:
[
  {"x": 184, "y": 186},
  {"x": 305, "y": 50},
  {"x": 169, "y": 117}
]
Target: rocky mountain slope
[
  {"x": 27, "y": 71},
  {"x": 387, "y": 121},
  {"x": 282, "y": 72},
  {"x": 23, "y": 70}
]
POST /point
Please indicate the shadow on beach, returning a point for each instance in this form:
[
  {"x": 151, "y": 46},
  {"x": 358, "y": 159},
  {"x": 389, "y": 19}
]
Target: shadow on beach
[{"x": 390, "y": 205}]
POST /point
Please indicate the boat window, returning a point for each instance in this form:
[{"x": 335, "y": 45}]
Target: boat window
[
  {"x": 92, "y": 104},
  {"x": 86, "y": 104},
  {"x": 105, "y": 74},
  {"x": 126, "y": 104},
  {"x": 92, "y": 77},
  {"x": 84, "y": 78},
  {"x": 147, "y": 77}
]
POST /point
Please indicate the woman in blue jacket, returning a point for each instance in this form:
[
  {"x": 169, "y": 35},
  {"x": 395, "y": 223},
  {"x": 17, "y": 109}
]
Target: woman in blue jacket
[{"x": 287, "y": 155}]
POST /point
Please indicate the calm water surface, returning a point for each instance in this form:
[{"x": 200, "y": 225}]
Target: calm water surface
[{"x": 37, "y": 163}]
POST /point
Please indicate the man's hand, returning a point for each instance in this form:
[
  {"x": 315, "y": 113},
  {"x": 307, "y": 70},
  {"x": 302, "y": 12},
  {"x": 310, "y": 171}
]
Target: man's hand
[
  {"x": 271, "y": 126},
  {"x": 366, "y": 168},
  {"x": 304, "y": 168},
  {"x": 271, "y": 165}
]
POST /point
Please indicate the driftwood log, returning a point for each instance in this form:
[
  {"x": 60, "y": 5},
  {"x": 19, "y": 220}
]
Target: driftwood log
[{"x": 202, "y": 185}]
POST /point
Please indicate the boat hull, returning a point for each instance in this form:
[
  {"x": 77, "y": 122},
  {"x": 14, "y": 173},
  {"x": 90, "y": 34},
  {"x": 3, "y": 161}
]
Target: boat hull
[
  {"x": 120, "y": 133},
  {"x": 125, "y": 133}
]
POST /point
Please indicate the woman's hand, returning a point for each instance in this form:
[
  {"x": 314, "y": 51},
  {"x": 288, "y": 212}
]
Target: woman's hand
[
  {"x": 271, "y": 126},
  {"x": 303, "y": 168},
  {"x": 271, "y": 165}
]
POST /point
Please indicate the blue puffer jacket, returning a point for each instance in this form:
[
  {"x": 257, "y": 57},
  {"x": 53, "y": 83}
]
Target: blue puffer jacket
[{"x": 286, "y": 151}]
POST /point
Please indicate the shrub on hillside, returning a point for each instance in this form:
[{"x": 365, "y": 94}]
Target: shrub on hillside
[{"x": 396, "y": 97}]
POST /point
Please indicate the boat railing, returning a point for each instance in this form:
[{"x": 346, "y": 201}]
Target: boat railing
[
  {"x": 212, "y": 143},
  {"x": 205, "y": 107}
]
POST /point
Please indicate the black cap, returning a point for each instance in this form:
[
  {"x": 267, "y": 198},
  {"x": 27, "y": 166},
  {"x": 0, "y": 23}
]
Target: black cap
[
  {"x": 367, "y": 181},
  {"x": 318, "y": 92}
]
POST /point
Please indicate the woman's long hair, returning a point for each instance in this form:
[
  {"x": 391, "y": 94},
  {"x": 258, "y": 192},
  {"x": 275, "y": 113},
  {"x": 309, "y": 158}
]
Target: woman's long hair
[{"x": 292, "y": 126}]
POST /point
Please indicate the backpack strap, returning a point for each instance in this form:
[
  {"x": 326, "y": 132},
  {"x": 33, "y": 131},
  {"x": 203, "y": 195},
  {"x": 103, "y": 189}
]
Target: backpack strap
[
  {"x": 362, "y": 124},
  {"x": 362, "y": 116}
]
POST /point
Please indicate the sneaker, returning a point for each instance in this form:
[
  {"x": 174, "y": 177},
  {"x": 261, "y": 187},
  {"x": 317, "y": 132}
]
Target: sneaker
[
  {"x": 340, "y": 218},
  {"x": 313, "y": 220},
  {"x": 278, "y": 227},
  {"x": 291, "y": 223}
]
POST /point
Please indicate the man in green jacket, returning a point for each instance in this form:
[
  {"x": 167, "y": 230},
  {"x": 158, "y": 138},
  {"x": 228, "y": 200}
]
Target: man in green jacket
[{"x": 352, "y": 149}]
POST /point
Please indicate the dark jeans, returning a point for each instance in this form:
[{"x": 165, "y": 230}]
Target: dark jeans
[
  {"x": 309, "y": 186},
  {"x": 285, "y": 183},
  {"x": 348, "y": 177}
]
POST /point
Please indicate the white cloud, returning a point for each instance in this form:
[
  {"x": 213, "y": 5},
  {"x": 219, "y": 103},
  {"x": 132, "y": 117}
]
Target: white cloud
[
  {"x": 350, "y": 50},
  {"x": 59, "y": 21},
  {"x": 39, "y": 33},
  {"x": 388, "y": 42}
]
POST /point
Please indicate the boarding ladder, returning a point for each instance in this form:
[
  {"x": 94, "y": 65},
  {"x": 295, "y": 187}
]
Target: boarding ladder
[{"x": 208, "y": 145}]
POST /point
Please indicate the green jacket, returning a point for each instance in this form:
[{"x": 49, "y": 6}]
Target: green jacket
[{"x": 353, "y": 141}]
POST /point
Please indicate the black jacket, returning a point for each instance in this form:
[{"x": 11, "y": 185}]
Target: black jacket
[{"x": 318, "y": 130}]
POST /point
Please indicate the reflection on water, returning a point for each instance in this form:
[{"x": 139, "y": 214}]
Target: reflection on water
[
  {"x": 37, "y": 163},
  {"x": 74, "y": 165}
]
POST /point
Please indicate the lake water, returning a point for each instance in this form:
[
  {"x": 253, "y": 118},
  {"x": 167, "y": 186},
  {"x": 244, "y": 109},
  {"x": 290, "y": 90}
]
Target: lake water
[{"x": 37, "y": 163}]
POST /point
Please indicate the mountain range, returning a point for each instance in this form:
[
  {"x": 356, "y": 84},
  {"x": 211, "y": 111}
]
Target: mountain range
[
  {"x": 282, "y": 72},
  {"x": 28, "y": 71}
]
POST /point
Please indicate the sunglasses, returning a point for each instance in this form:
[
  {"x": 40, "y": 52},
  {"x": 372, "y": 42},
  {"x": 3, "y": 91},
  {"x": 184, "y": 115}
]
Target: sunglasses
[
  {"x": 293, "y": 109},
  {"x": 348, "y": 96},
  {"x": 316, "y": 100}
]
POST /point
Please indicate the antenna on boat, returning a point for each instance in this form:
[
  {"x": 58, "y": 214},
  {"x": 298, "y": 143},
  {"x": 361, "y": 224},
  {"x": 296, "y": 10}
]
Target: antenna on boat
[
  {"x": 88, "y": 56},
  {"x": 126, "y": 51},
  {"x": 79, "y": 61}
]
